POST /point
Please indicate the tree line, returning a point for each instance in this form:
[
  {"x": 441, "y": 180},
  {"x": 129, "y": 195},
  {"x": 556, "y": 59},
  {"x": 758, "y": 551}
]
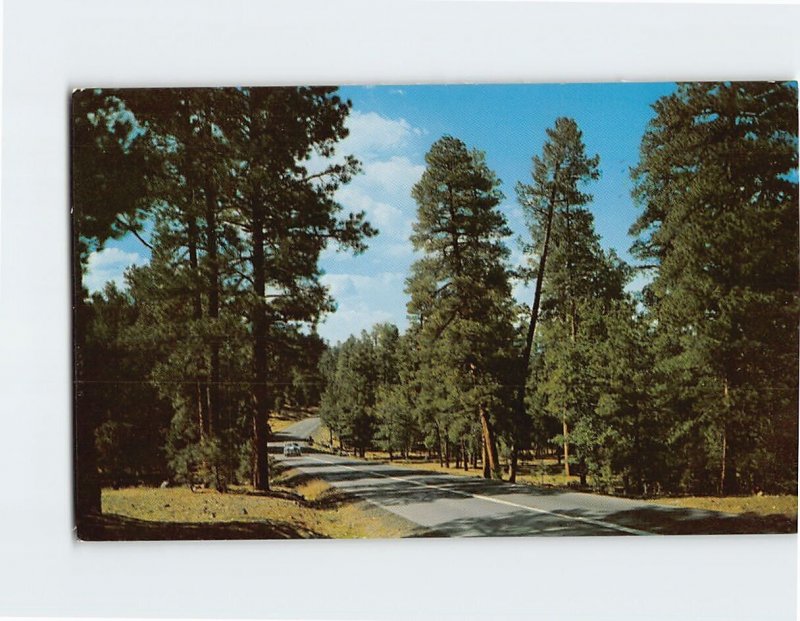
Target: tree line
[
  {"x": 689, "y": 386},
  {"x": 177, "y": 374}
]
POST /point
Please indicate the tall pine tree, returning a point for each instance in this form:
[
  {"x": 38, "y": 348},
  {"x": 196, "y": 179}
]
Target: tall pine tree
[
  {"x": 557, "y": 179},
  {"x": 717, "y": 183},
  {"x": 460, "y": 294}
]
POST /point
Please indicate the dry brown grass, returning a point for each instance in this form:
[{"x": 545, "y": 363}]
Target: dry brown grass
[
  {"x": 547, "y": 473},
  {"x": 314, "y": 489},
  {"x": 759, "y": 505},
  {"x": 299, "y": 507}
]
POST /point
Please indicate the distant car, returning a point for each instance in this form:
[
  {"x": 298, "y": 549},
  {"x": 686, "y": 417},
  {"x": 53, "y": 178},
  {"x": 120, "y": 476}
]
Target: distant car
[{"x": 291, "y": 449}]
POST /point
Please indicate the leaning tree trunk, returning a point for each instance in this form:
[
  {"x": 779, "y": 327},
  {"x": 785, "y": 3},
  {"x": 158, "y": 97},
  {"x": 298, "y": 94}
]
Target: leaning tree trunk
[
  {"x": 519, "y": 410},
  {"x": 491, "y": 466},
  {"x": 487, "y": 472}
]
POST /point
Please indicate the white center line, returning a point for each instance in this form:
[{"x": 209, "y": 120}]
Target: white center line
[{"x": 499, "y": 501}]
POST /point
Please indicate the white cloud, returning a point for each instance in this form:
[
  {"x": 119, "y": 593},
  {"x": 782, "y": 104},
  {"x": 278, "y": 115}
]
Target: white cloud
[
  {"x": 108, "y": 265},
  {"x": 342, "y": 285},
  {"x": 368, "y": 288},
  {"x": 396, "y": 176},
  {"x": 372, "y": 134},
  {"x": 392, "y": 221},
  {"x": 399, "y": 250},
  {"x": 383, "y": 192},
  {"x": 351, "y": 321},
  {"x": 362, "y": 301}
]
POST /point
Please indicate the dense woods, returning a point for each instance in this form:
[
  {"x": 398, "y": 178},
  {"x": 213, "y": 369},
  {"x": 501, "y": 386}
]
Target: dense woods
[
  {"x": 220, "y": 323},
  {"x": 688, "y": 386}
]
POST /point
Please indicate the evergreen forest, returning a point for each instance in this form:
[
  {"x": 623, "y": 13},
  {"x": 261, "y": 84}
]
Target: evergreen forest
[{"x": 687, "y": 386}]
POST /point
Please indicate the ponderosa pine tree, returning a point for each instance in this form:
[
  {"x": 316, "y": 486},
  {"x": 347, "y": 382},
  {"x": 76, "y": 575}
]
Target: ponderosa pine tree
[
  {"x": 194, "y": 261},
  {"x": 621, "y": 437},
  {"x": 201, "y": 449},
  {"x": 717, "y": 182},
  {"x": 109, "y": 193},
  {"x": 249, "y": 221},
  {"x": 557, "y": 177},
  {"x": 358, "y": 372},
  {"x": 395, "y": 407},
  {"x": 288, "y": 215},
  {"x": 580, "y": 276},
  {"x": 460, "y": 295},
  {"x": 131, "y": 418}
]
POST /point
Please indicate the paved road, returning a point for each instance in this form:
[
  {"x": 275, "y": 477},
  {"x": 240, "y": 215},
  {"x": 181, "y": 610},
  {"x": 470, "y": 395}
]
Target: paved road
[
  {"x": 299, "y": 432},
  {"x": 452, "y": 505}
]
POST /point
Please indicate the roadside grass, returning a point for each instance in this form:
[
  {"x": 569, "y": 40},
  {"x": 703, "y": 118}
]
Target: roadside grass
[
  {"x": 542, "y": 472},
  {"x": 756, "y": 513},
  {"x": 298, "y": 507},
  {"x": 549, "y": 473},
  {"x": 763, "y": 505},
  {"x": 321, "y": 438}
]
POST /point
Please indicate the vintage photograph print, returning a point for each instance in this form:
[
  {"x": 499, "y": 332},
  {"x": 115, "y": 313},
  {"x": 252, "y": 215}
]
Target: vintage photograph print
[{"x": 435, "y": 311}]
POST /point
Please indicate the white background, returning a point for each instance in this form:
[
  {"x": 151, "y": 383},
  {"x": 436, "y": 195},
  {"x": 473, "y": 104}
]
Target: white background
[{"x": 51, "y": 48}]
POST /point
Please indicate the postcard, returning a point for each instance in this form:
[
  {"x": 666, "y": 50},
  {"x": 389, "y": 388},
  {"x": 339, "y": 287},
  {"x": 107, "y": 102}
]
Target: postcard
[{"x": 435, "y": 310}]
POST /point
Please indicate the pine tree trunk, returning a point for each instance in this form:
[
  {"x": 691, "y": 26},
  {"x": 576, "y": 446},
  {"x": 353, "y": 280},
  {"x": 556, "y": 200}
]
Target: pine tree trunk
[
  {"x": 534, "y": 318},
  {"x": 87, "y": 481},
  {"x": 491, "y": 466},
  {"x": 487, "y": 472},
  {"x": 723, "y": 464},
  {"x": 213, "y": 304},
  {"x": 573, "y": 333},
  {"x": 582, "y": 471},
  {"x": 728, "y": 483},
  {"x": 201, "y": 391},
  {"x": 727, "y": 480},
  {"x": 259, "y": 335}
]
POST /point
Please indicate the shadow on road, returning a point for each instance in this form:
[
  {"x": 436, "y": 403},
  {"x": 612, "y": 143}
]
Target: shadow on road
[
  {"x": 679, "y": 521},
  {"x": 520, "y": 523},
  {"x": 397, "y": 488}
]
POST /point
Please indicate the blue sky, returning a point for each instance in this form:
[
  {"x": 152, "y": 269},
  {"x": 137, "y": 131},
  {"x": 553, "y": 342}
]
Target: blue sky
[{"x": 391, "y": 129}]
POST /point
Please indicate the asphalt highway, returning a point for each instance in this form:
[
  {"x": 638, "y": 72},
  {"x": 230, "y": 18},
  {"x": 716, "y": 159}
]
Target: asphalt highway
[{"x": 463, "y": 506}]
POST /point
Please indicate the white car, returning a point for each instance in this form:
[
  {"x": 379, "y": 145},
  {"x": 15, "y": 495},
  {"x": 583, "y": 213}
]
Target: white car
[{"x": 291, "y": 449}]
